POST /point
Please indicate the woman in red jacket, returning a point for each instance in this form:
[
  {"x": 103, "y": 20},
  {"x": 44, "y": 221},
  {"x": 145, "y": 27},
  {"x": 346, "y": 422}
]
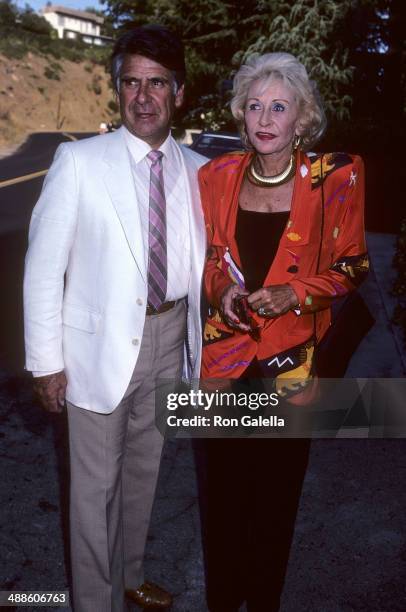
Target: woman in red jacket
[{"x": 285, "y": 231}]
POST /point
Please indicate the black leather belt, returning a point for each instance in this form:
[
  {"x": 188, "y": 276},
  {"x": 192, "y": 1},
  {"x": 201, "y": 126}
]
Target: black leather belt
[{"x": 163, "y": 308}]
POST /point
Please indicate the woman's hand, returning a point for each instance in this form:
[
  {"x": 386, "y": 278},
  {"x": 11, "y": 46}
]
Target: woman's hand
[
  {"x": 273, "y": 301},
  {"x": 226, "y": 307}
]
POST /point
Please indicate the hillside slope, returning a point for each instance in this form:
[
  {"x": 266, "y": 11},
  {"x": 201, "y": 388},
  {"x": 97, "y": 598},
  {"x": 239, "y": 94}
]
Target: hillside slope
[{"x": 39, "y": 93}]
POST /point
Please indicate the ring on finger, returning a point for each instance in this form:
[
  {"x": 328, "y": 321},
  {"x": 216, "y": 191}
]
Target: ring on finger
[{"x": 266, "y": 312}]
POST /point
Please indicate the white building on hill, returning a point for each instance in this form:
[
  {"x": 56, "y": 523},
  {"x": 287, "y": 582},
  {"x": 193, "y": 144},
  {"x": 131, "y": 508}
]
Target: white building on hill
[{"x": 72, "y": 23}]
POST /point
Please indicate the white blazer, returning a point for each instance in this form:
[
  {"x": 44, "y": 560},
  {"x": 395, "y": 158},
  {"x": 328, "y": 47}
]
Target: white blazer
[{"x": 85, "y": 284}]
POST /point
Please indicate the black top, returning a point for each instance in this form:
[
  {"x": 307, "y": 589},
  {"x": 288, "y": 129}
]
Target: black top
[{"x": 257, "y": 235}]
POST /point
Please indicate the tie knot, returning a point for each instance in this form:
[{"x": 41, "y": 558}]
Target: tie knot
[{"x": 155, "y": 156}]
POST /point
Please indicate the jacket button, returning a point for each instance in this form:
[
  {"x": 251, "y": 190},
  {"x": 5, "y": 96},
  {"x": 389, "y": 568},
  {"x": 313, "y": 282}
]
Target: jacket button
[
  {"x": 139, "y": 301},
  {"x": 135, "y": 341}
]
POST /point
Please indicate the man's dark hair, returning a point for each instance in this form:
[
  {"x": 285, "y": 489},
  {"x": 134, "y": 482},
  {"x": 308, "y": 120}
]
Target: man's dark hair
[{"x": 155, "y": 42}]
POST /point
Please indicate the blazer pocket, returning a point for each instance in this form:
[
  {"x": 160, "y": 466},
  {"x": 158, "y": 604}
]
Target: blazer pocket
[{"x": 79, "y": 318}]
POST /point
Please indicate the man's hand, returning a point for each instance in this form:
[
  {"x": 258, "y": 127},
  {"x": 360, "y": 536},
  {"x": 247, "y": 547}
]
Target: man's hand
[
  {"x": 273, "y": 301},
  {"x": 51, "y": 391},
  {"x": 227, "y": 307}
]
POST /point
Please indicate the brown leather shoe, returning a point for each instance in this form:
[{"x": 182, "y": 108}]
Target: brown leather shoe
[{"x": 150, "y": 596}]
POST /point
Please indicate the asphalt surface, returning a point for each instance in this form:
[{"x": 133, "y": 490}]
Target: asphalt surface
[
  {"x": 16, "y": 204},
  {"x": 36, "y": 153},
  {"x": 349, "y": 550}
]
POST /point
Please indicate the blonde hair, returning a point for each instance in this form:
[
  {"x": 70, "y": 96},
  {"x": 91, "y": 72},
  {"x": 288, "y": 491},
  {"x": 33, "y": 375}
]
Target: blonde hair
[{"x": 291, "y": 72}]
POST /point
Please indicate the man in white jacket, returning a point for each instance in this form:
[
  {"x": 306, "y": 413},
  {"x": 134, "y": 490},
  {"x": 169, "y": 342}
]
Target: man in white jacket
[{"x": 111, "y": 297}]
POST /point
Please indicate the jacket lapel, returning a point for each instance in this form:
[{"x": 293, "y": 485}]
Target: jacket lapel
[
  {"x": 120, "y": 186},
  {"x": 230, "y": 192},
  {"x": 297, "y": 230}
]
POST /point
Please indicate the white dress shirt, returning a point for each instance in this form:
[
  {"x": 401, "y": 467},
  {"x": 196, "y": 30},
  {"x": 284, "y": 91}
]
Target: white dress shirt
[{"x": 177, "y": 218}]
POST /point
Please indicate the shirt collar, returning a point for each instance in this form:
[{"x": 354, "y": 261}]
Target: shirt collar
[{"x": 139, "y": 149}]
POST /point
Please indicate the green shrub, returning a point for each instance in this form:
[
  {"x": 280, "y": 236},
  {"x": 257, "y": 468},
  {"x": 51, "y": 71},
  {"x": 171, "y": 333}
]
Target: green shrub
[
  {"x": 112, "y": 106},
  {"x": 52, "y": 71},
  {"x": 96, "y": 87},
  {"x": 33, "y": 23},
  {"x": 8, "y": 15},
  {"x": 13, "y": 47},
  {"x": 51, "y": 74}
]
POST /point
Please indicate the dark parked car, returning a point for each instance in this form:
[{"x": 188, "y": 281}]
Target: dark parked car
[{"x": 213, "y": 144}]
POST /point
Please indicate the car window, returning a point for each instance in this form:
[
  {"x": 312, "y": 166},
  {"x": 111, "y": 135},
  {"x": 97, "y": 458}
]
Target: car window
[{"x": 212, "y": 146}]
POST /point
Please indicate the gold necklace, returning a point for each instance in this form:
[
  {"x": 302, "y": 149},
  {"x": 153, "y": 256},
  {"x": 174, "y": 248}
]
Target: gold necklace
[{"x": 271, "y": 181}]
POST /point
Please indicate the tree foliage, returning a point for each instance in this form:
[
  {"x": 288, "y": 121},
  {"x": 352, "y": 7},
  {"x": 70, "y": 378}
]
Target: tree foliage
[
  {"x": 12, "y": 18},
  {"x": 219, "y": 35},
  {"x": 8, "y": 14},
  {"x": 23, "y": 30},
  {"x": 306, "y": 29}
]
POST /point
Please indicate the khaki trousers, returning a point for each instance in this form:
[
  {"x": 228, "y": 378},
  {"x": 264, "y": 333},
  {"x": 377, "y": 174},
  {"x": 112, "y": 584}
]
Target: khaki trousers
[{"x": 114, "y": 462}]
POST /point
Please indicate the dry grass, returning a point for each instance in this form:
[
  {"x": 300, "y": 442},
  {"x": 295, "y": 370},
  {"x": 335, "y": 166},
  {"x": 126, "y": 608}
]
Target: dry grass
[{"x": 29, "y": 101}]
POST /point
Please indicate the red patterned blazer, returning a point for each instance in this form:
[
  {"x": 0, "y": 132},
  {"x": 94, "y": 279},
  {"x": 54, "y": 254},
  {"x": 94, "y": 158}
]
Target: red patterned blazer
[{"x": 321, "y": 254}]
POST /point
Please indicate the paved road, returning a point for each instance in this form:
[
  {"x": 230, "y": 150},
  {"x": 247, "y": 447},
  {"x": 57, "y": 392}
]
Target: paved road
[
  {"x": 22, "y": 175},
  {"x": 36, "y": 153},
  {"x": 16, "y": 203},
  {"x": 349, "y": 551}
]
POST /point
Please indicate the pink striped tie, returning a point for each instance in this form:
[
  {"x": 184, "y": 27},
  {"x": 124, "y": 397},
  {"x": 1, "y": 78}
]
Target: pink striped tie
[{"x": 157, "y": 263}]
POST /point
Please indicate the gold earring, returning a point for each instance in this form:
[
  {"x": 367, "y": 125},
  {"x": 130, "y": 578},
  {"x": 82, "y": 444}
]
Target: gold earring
[{"x": 296, "y": 142}]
